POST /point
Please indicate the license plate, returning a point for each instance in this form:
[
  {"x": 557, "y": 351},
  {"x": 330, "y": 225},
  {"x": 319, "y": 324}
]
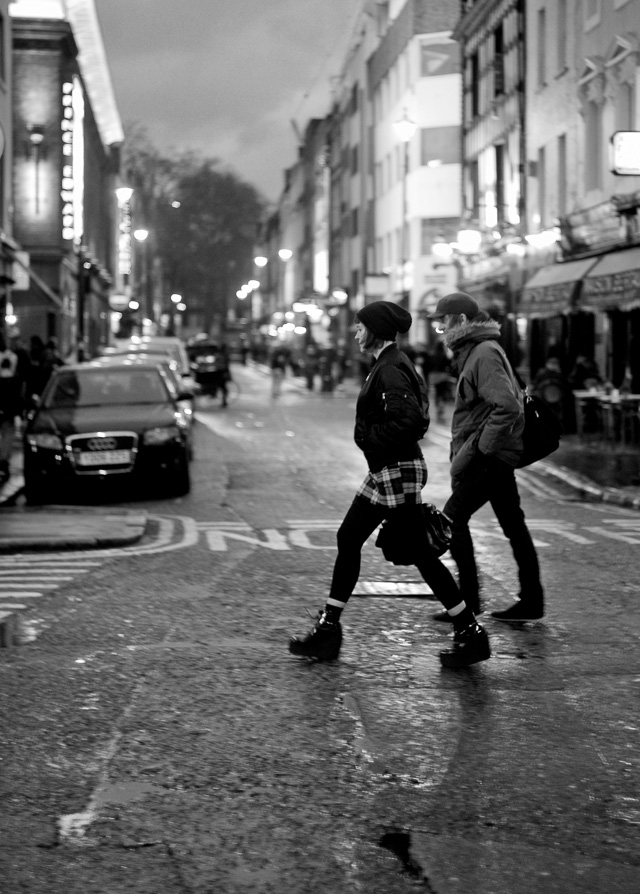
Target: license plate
[{"x": 105, "y": 458}]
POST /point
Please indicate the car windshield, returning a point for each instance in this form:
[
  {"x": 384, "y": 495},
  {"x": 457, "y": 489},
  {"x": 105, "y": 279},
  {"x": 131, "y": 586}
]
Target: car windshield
[{"x": 105, "y": 387}]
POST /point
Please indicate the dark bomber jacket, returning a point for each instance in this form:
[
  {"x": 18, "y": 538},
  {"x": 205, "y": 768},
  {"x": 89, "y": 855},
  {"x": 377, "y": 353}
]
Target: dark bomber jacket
[{"x": 389, "y": 411}]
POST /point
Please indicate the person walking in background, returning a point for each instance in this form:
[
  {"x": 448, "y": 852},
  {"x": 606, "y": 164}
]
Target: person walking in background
[
  {"x": 440, "y": 377},
  {"x": 279, "y": 360},
  {"x": 486, "y": 444},
  {"x": 551, "y": 385},
  {"x": 10, "y": 406},
  {"x": 50, "y": 359},
  {"x": 390, "y": 421}
]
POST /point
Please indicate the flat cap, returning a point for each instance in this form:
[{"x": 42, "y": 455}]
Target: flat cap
[{"x": 455, "y": 303}]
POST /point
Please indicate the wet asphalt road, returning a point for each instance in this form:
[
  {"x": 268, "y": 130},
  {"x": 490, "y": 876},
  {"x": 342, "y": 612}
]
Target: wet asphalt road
[{"x": 157, "y": 736}]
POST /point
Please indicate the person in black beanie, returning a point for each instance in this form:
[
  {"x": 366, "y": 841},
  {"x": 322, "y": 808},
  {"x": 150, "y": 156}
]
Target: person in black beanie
[{"x": 390, "y": 421}]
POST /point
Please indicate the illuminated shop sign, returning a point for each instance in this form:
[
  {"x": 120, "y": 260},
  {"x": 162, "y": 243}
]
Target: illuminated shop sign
[
  {"x": 625, "y": 153},
  {"x": 72, "y": 185},
  {"x": 124, "y": 239}
]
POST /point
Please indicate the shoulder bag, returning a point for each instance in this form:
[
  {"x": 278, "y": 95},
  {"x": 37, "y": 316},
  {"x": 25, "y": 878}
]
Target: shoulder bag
[
  {"x": 542, "y": 428},
  {"x": 399, "y": 546}
]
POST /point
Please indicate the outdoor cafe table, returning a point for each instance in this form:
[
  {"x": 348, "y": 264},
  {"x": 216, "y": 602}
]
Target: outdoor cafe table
[{"x": 612, "y": 416}]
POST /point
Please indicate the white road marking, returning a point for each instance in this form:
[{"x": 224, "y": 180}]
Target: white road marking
[{"x": 391, "y": 588}]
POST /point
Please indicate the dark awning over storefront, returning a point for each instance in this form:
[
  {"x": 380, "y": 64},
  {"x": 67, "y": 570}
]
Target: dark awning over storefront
[
  {"x": 613, "y": 282},
  {"x": 554, "y": 289}
]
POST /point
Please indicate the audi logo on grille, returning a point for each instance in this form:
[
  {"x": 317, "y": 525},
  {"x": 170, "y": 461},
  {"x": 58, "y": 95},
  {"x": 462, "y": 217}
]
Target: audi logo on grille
[{"x": 102, "y": 444}]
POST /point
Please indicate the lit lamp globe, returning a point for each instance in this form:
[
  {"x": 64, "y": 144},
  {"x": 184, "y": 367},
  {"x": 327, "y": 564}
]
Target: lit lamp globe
[
  {"x": 140, "y": 235},
  {"x": 123, "y": 194},
  {"x": 260, "y": 261},
  {"x": 405, "y": 129},
  {"x": 284, "y": 254}
]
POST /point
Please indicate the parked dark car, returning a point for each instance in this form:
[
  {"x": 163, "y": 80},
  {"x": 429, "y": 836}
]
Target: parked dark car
[
  {"x": 102, "y": 425},
  {"x": 179, "y": 389}
]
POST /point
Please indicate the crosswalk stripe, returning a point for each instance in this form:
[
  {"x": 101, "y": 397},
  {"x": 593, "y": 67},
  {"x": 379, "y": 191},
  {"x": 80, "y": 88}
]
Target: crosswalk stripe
[
  {"x": 23, "y": 594},
  {"x": 6, "y": 578},
  {"x": 31, "y": 584}
]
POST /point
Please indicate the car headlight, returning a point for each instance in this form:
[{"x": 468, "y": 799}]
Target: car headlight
[
  {"x": 161, "y": 435},
  {"x": 45, "y": 440}
]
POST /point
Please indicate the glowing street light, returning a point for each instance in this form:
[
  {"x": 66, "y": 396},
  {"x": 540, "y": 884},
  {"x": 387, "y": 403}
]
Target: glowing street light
[
  {"x": 123, "y": 194},
  {"x": 261, "y": 261},
  {"x": 285, "y": 253}
]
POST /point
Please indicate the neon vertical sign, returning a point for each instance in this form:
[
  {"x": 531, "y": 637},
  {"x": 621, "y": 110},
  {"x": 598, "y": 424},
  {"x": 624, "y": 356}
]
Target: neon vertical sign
[{"x": 72, "y": 185}]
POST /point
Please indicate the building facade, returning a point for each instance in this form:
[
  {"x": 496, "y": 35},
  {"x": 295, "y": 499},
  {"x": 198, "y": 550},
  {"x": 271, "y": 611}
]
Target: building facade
[{"x": 67, "y": 135}]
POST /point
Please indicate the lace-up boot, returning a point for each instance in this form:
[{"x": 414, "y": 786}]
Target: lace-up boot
[
  {"x": 470, "y": 645},
  {"x": 322, "y": 642}
]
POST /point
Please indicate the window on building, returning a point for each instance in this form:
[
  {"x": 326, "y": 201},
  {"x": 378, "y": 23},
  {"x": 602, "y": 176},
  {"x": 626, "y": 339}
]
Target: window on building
[
  {"x": 354, "y": 160},
  {"x": 562, "y": 36},
  {"x": 542, "y": 47},
  {"x": 542, "y": 186},
  {"x": 474, "y": 189},
  {"x": 441, "y": 145},
  {"x": 3, "y": 61},
  {"x": 562, "y": 175},
  {"x": 593, "y": 145},
  {"x": 355, "y": 229},
  {"x": 353, "y": 105},
  {"x": 498, "y": 61},
  {"x": 474, "y": 86},
  {"x": 500, "y": 196},
  {"x": 625, "y": 107},
  {"x": 591, "y": 13}
]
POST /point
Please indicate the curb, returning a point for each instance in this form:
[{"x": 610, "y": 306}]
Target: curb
[
  {"x": 47, "y": 545},
  {"x": 585, "y": 487}
]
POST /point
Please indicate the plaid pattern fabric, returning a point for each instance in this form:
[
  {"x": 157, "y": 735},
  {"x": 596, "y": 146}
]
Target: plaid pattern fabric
[{"x": 395, "y": 485}]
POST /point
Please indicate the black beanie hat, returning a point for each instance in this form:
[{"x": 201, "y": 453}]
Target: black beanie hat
[{"x": 385, "y": 319}]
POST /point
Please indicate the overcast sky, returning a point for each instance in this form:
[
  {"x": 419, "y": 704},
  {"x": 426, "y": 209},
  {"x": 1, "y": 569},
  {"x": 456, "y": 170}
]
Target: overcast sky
[{"x": 226, "y": 77}]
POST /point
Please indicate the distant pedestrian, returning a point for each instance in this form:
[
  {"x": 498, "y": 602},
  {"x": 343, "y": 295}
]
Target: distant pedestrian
[
  {"x": 310, "y": 362},
  {"x": 440, "y": 377},
  {"x": 50, "y": 359},
  {"x": 278, "y": 364},
  {"x": 486, "y": 444},
  {"x": 585, "y": 374},
  {"x": 10, "y": 405},
  {"x": 551, "y": 385},
  {"x": 390, "y": 421}
]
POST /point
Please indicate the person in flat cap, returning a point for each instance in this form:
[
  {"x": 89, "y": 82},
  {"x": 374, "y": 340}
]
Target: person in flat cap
[
  {"x": 486, "y": 445},
  {"x": 391, "y": 418}
]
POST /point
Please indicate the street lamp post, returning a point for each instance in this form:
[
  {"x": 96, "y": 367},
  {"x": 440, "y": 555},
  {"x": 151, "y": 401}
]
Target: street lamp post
[
  {"x": 405, "y": 130},
  {"x": 141, "y": 237}
]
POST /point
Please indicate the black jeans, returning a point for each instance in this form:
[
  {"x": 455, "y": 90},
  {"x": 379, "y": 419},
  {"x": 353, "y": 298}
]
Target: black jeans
[
  {"x": 359, "y": 523},
  {"x": 488, "y": 480}
]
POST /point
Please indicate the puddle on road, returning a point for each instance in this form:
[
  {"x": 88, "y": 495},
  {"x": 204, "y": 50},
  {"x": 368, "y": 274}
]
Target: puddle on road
[{"x": 74, "y": 825}]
